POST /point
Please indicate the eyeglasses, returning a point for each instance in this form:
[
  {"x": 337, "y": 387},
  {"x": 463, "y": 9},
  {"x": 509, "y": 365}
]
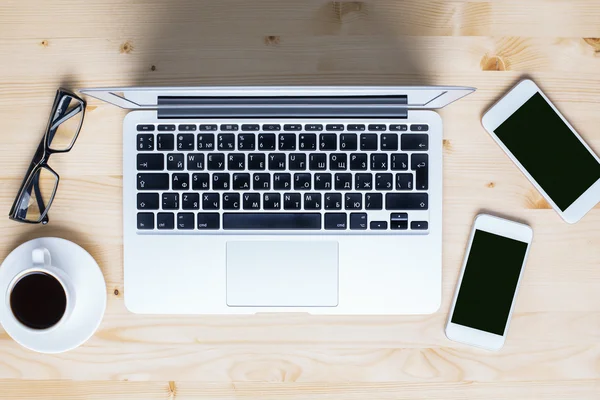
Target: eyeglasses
[{"x": 40, "y": 183}]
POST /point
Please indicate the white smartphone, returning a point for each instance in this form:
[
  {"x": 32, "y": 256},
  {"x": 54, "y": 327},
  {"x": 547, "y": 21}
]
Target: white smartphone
[
  {"x": 546, "y": 148},
  {"x": 489, "y": 281}
]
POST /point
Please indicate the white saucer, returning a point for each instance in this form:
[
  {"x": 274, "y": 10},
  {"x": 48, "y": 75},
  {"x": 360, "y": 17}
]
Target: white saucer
[{"x": 90, "y": 290}]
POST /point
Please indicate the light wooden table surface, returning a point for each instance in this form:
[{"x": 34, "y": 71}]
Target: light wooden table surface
[{"x": 553, "y": 349}]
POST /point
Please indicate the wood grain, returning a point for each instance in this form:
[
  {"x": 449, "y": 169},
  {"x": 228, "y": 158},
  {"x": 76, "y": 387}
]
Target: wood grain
[{"x": 553, "y": 349}]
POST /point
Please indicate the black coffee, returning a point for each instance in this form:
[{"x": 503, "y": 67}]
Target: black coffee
[{"x": 38, "y": 300}]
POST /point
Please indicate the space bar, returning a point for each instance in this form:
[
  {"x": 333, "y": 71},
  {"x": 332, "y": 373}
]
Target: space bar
[{"x": 271, "y": 221}]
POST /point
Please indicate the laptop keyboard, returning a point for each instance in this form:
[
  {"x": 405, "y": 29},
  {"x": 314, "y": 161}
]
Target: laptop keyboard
[{"x": 239, "y": 177}]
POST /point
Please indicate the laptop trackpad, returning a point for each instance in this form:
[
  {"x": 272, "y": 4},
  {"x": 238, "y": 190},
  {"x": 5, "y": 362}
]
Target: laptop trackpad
[{"x": 282, "y": 274}]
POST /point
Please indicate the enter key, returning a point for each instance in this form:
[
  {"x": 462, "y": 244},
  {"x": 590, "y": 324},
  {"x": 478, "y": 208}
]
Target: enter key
[{"x": 420, "y": 164}]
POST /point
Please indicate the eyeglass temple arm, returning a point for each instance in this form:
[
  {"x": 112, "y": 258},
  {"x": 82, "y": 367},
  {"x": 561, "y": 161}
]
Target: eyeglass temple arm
[{"x": 65, "y": 117}]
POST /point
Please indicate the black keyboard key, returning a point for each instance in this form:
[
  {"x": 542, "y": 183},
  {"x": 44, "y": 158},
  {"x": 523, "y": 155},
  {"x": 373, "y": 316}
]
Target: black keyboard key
[
  {"x": 276, "y": 162},
  {"x": 166, "y": 128},
  {"x": 353, "y": 201},
  {"x": 328, "y": 142},
  {"x": 208, "y": 221},
  {"x": 175, "y": 162},
  {"x": 200, "y": 181},
  {"x": 363, "y": 181},
  {"x": 187, "y": 127},
  {"x": 317, "y": 161},
  {"x": 250, "y": 127},
  {"x": 266, "y": 141},
  {"x": 170, "y": 201},
  {"x": 145, "y": 128},
  {"x": 419, "y": 225},
  {"x": 208, "y": 127},
  {"x": 379, "y": 162},
  {"x": 287, "y": 141},
  {"x": 292, "y": 201},
  {"x": 338, "y": 161},
  {"x": 404, "y": 181},
  {"x": 165, "y": 221},
  {"x": 272, "y": 201},
  {"x": 343, "y": 181},
  {"x": 302, "y": 181},
  {"x": 210, "y": 201},
  {"x": 145, "y": 142},
  {"x": 150, "y": 162},
  {"x": 241, "y": 182},
  {"x": 377, "y": 127},
  {"x": 312, "y": 201},
  {"x": 251, "y": 201},
  {"x": 205, "y": 141},
  {"x": 256, "y": 162},
  {"x": 145, "y": 221},
  {"x": 399, "y": 162},
  {"x": 419, "y": 127},
  {"x": 216, "y": 162},
  {"x": 348, "y": 142},
  {"x": 261, "y": 181},
  {"x": 190, "y": 201},
  {"x": 231, "y": 201},
  {"x": 378, "y": 225},
  {"x": 220, "y": 181},
  {"x": 307, "y": 142},
  {"x": 335, "y": 221},
  {"x": 420, "y": 164},
  {"x": 399, "y": 221},
  {"x": 180, "y": 181},
  {"x": 229, "y": 127},
  {"x": 185, "y": 141},
  {"x": 313, "y": 127},
  {"x": 195, "y": 161},
  {"x": 282, "y": 181},
  {"x": 358, "y": 162},
  {"x": 148, "y": 201},
  {"x": 333, "y": 201},
  {"x": 236, "y": 162},
  {"x": 406, "y": 201},
  {"x": 246, "y": 141},
  {"x": 272, "y": 221},
  {"x": 271, "y": 127},
  {"x": 373, "y": 201},
  {"x": 185, "y": 221},
  {"x": 323, "y": 181},
  {"x": 368, "y": 141},
  {"x": 355, "y": 127},
  {"x": 226, "y": 141},
  {"x": 297, "y": 162},
  {"x": 153, "y": 181},
  {"x": 165, "y": 142},
  {"x": 399, "y": 127},
  {"x": 415, "y": 142},
  {"x": 389, "y": 141},
  {"x": 292, "y": 127},
  {"x": 334, "y": 127},
  {"x": 358, "y": 221},
  {"x": 384, "y": 181}
]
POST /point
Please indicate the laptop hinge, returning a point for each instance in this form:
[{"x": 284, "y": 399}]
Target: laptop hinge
[{"x": 296, "y": 107}]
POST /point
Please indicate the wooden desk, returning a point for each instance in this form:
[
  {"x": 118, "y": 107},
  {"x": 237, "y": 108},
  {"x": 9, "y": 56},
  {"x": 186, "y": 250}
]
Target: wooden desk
[{"x": 553, "y": 350}]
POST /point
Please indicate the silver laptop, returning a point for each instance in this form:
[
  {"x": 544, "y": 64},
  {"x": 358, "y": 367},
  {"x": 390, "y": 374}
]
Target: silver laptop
[{"x": 326, "y": 200}]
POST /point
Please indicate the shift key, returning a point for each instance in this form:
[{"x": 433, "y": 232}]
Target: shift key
[
  {"x": 406, "y": 201},
  {"x": 153, "y": 181}
]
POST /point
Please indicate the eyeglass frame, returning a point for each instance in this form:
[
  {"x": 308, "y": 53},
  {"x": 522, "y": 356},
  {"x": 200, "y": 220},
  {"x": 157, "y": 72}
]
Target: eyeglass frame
[{"x": 41, "y": 157}]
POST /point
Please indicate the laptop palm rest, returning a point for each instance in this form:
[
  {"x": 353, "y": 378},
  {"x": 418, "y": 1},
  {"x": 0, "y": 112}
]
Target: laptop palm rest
[{"x": 282, "y": 274}]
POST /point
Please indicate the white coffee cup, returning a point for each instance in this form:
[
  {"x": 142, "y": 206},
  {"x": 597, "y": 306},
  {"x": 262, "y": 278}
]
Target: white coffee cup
[{"x": 41, "y": 263}]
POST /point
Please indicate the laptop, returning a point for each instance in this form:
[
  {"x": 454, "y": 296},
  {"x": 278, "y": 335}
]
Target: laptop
[{"x": 240, "y": 200}]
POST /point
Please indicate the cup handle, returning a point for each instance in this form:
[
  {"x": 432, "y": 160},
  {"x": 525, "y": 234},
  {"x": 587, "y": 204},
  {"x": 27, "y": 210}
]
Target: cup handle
[{"x": 41, "y": 256}]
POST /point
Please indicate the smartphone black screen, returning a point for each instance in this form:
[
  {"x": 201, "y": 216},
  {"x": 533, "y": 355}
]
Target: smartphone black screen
[
  {"x": 489, "y": 282},
  {"x": 556, "y": 159}
]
